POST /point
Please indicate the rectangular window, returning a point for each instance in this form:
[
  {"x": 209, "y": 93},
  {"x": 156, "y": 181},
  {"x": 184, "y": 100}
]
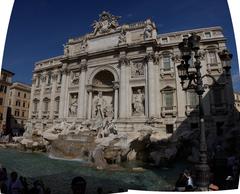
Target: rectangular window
[
  {"x": 194, "y": 126},
  {"x": 166, "y": 63},
  {"x": 1, "y": 88},
  {"x": 219, "y": 126},
  {"x": 193, "y": 98},
  {"x": 169, "y": 129},
  {"x": 23, "y": 113},
  {"x": 212, "y": 57},
  {"x": 18, "y": 103},
  {"x": 46, "y": 106},
  {"x": 17, "y": 113},
  {"x": 164, "y": 40},
  {"x": 1, "y": 101},
  {"x": 25, "y": 95},
  {"x": 5, "y": 89},
  {"x": 57, "y": 105},
  {"x": 18, "y": 94},
  {"x": 207, "y": 34},
  {"x": 49, "y": 79},
  {"x": 35, "y": 106},
  {"x": 217, "y": 95},
  {"x": 23, "y": 104},
  {"x": 169, "y": 99}
]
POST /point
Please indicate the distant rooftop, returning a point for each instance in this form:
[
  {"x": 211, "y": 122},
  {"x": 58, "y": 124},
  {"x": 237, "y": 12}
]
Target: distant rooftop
[{"x": 7, "y": 71}]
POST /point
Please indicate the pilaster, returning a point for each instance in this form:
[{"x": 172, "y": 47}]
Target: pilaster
[
  {"x": 63, "y": 91},
  {"x": 151, "y": 87},
  {"x": 43, "y": 84},
  {"x": 124, "y": 87},
  {"x": 54, "y": 87},
  {"x": 82, "y": 89}
]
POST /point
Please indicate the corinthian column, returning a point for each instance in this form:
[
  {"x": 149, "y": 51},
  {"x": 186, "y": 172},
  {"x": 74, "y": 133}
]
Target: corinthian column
[
  {"x": 82, "y": 90},
  {"x": 115, "y": 87},
  {"x": 151, "y": 85},
  {"x": 63, "y": 91},
  {"x": 34, "y": 82},
  {"x": 124, "y": 86},
  {"x": 43, "y": 83},
  {"x": 54, "y": 87},
  {"x": 89, "y": 89}
]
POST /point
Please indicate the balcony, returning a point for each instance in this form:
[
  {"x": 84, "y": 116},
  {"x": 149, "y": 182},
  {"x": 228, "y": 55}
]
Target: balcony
[
  {"x": 34, "y": 114},
  {"x": 191, "y": 110},
  {"x": 47, "y": 90},
  {"x": 169, "y": 111},
  {"x": 167, "y": 73},
  {"x": 56, "y": 114},
  {"x": 214, "y": 67},
  {"x": 45, "y": 115},
  {"x": 219, "y": 109}
]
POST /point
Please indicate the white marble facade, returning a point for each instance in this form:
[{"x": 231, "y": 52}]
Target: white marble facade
[{"x": 127, "y": 73}]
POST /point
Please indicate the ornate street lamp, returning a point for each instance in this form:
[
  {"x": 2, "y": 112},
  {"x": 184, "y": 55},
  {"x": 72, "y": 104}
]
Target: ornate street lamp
[
  {"x": 226, "y": 58},
  {"x": 194, "y": 80}
]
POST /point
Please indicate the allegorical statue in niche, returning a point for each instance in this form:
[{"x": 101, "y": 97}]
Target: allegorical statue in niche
[
  {"x": 100, "y": 106},
  {"x": 138, "y": 99},
  {"x": 73, "y": 105}
]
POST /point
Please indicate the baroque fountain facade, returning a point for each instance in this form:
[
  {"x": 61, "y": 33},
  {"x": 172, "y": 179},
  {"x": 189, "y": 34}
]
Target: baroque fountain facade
[{"x": 116, "y": 90}]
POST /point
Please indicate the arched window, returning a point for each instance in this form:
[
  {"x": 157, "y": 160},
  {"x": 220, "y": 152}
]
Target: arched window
[
  {"x": 46, "y": 104},
  {"x": 35, "y": 105}
]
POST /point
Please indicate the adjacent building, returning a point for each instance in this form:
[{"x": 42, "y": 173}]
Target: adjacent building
[
  {"x": 5, "y": 83},
  {"x": 237, "y": 103},
  {"x": 128, "y": 73},
  {"x": 19, "y": 101}
]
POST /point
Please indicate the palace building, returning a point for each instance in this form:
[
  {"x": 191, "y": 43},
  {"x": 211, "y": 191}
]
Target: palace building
[
  {"x": 5, "y": 113},
  {"x": 128, "y": 74},
  {"x": 19, "y": 104}
]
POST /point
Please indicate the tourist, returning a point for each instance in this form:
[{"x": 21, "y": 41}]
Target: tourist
[
  {"x": 24, "y": 183},
  {"x": 99, "y": 190},
  {"x": 3, "y": 187},
  {"x": 78, "y": 185},
  {"x": 181, "y": 182},
  {"x": 37, "y": 188},
  {"x": 15, "y": 186},
  {"x": 213, "y": 187}
]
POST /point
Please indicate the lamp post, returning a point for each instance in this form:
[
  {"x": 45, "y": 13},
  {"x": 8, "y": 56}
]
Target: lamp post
[{"x": 194, "y": 80}]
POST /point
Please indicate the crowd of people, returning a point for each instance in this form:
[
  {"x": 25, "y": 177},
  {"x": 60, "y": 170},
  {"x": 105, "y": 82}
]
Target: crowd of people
[{"x": 15, "y": 184}]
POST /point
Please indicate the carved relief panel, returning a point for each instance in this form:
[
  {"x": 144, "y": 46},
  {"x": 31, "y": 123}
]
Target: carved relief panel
[
  {"x": 137, "y": 69},
  {"x": 74, "y": 78}
]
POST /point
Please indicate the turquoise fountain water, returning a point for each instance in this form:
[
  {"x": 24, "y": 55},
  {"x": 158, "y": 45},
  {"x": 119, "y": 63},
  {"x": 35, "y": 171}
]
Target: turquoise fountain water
[{"x": 57, "y": 174}]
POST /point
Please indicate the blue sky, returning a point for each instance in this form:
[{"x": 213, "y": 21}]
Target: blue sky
[{"x": 39, "y": 28}]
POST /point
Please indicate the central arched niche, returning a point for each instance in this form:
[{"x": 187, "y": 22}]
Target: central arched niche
[{"x": 103, "y": 95}]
